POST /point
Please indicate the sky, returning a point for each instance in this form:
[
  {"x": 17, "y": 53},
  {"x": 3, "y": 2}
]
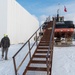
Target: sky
[{"x": 41, "y": 9}]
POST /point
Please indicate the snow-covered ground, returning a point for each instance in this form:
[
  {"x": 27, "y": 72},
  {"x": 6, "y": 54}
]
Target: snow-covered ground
[
  {"x": 63, "y": 60},
  {"x": 6, "y": 66}
]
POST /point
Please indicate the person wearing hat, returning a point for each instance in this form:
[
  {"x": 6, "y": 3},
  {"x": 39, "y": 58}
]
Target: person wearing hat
[{"x": 5, "y": 44}]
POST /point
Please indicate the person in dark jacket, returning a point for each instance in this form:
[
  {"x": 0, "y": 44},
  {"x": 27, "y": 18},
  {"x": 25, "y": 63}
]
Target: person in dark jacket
[{"x": 5, "y": 44}]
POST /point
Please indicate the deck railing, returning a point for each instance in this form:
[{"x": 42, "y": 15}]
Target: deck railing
[
  {"x": 28, "y": 43},
  {"x": 50, "y": 51}
]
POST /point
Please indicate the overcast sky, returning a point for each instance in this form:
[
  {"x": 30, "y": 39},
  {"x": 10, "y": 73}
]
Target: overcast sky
[{"x": 44, "y": 8}]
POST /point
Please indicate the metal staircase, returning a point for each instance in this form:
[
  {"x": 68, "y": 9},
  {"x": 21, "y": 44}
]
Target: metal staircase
[{"x": 41, "y": 61}]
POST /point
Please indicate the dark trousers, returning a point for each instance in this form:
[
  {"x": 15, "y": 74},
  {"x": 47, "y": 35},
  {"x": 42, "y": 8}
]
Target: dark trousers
[{"x": 6, "y": 52}]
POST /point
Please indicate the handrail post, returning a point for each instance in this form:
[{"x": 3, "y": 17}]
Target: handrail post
[
  {"x": 47, "y": 65},
  {"x": 40, "y": 29},
  {"x": 14, "y": 66},
  {"x": 36, "y": 39},
  {"x": 50, "y": 62},
  {"x": 29, "y": 49}
]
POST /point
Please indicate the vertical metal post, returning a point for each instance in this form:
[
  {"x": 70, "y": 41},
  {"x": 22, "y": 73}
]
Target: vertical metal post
[
  {"x": 40, "y": 29},
  {"x": 52, "y": 51},
  {"x": 14, "y": 66},
  {"x": 51, "y": 58},
  {"x": 29, "y": 49},
  {"x": 36, "y": 39},
  {"x": 47, "y": 65}
]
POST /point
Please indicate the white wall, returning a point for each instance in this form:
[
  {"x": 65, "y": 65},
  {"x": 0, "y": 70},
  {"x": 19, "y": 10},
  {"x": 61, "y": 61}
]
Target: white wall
[
  {"x": 3, "y": 17},
  {"x": 20, "y": 23}
]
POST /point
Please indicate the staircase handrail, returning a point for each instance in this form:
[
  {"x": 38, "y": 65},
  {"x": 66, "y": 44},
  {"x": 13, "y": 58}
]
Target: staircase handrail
[
  {"x": 29, "y": 52},
  {"x": 50, "y": 49}
]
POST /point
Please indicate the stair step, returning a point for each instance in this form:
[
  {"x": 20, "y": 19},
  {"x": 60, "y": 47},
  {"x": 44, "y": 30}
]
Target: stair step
[
  {"x": 41, "y": 51},
  {"x": 40, "y": 56},
  {"x": 42, "y": 48},
  {"x": 44, "y": 41},
  {"x": 38, "y": 61},
  {"x": 37, "y": 69},
  {"x": 38, "y": 65},
  {"x": 43, "y": 44},
  {"x": 36, "y": 73},
  {"x": 41, "y": 59}
]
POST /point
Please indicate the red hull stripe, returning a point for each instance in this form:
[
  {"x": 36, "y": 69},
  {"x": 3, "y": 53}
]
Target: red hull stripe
[{"x": 64, "y": 30}]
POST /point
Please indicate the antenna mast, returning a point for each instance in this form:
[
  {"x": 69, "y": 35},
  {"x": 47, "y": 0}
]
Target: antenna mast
[{"x": 58, "y": 13}]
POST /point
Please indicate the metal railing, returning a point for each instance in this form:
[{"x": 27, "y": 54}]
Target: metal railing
[
  {"x": 50, "y": 51},
  {"x": 29, "y": 47}
]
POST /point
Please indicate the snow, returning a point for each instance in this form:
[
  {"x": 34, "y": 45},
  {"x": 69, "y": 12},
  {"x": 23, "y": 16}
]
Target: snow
[
  {"x": 6, "y": 66},
  {"x": 63, "y": 60}
]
